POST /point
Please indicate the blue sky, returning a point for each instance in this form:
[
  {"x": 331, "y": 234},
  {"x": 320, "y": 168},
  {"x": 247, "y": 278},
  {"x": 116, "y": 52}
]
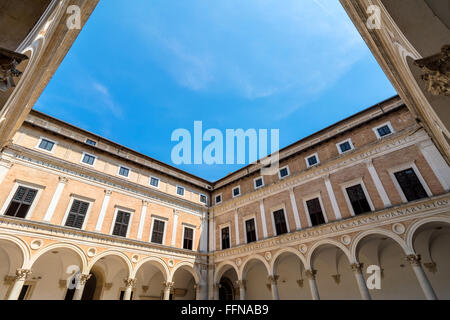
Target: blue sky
[{"x": 141, "y": 69}]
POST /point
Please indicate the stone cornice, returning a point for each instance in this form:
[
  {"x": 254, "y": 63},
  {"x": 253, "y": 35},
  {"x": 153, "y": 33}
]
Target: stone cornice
[
  {"x": 336, "y": 228},
  {"x": 34, "y": 229},
  {"x": 28, "y": 156},
  {"x": 397, "y": 141}
]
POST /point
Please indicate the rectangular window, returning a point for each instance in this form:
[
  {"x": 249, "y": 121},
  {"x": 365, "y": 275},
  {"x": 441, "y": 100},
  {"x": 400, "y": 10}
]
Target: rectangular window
[
  {"x": 88, "y": 159},
  {"x": 125, "y": 172},
  {"x": 121, "y": 225},
  {"x": 250, "y": 230},
  {"x": 358, "y": 199},
  {"x": 154, "y": 182},
  {"x": 91, "y": 142},
  {"x": 180, "y": 191},
  {"x": 158, "y": 231},
  {"x": 236, "y": 192},
  {"x": 284, "y": 172},
  {"x": 225, "y": 238},
  {"x": 384, "y": 131},
  {"x": 203, "y": 198},
  {"x": 77, "y": 214},
  {"x": 410, "y": 184},
  {"x": 46, "y": 145},
  {"x": 218, "y": 199},
  {"x": 315, "y": 212},
  {"x": 312, "y": 160},
  {"x": 259, "y": 182},
  {"x": 280, "y": 222},
  {"x": 188, "y": 238},
  {"x": 345, "y": 146},
  {"x": 21, "y": 202}
]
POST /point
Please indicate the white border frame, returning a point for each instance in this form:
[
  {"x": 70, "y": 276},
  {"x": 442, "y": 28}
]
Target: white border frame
[
  {"x": 150, "y": 182},
  {"x": 353, "y": 183},
  {"x": 388, "y": 123},
  {"x": 166, "y": 222},
  {"x": 200, "y": 198},
  {"x": 254, "y": 182},
  {"x": 44, "y": 150},
  {"x": 244, "y": 220},
  {"x": 118, "y": 172},
  {"x": 190, "y": 226},
  {"x": 349, "y": 140},
  {"x": 87, "y": 164},
  {"x": 92, "y": 145},
  {"x": 232, "y": 191},
  {"x": 272, "y": 211},
  {"x": 17, "y": 184},
  {"x": 123, "y": 209},
  {"x": 310, "y": 156},
  {"x": 279, "y": 172},
  {"x": 223, "y": 226},
  {"x": 406, "y": 166},
  {"x": 215, "y": 198},
  {"x": 74, "y": 197},
  {"x": 305, "y": 206},
  {"x": 184, "y": 191}
]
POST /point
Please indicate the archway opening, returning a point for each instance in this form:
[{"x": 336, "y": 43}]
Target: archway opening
[
  {"x": 256, "y": 281},
  {"x": 292, "y": 282},
  {"x": 11, "y": 259},
  {"x": 150, "y": 280},
  {"x": 184, "y": 284}
]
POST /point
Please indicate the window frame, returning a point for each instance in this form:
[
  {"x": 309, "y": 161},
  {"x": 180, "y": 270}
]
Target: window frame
[
  {"x": 288, "y": 172},
  {"x": 113, "y": 224},
  {"x": 377, "y": 134},
  {"x": 275, "y": 209},
  {"x": 353, "y": 183},
  {"x": 185, "y": 225},
  {"x": 338, "y": 146},
  {"x": 90, "y": 144},
  {"x": 215, "y": 198},
  {"x": 254, "y": 182},
  {"x": 232, "y": 191},
  {"x": 221, "y": 227},
  {"x": 74, "y": 197},
  {"x": 87, "y": 164},
  {"x": 122, "y": 176},
  {"x": 312, "y": 196},
  {"x": 200, "y": 198},
  {"x": 17, "y": 184},
  {"x": 244, "y": 220},
  {"x": 150, "y": 182},
  {"x": 310, "y": 156},
  {"x": 405, "y": 166},
  {"x": 184, "y": 191},
  {"x": 162, "y": 219},
  {"x": 45, "y": 150}
]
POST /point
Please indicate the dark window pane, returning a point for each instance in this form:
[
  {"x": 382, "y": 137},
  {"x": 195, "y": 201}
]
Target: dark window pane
[
  {"x": 121, "y": 226},
  {"x": 284, "y": 172},
  {"x": 77, "y": 214},
  {"x": 91, "y": 142},
  {"x": 258, "y": 182},
  {"x": 315, "y": 212},
  {"x": 46, "y": 145},
  {"x": 21, "y": 202},
  {"x": 250, "y": 230},
  {"x": 203, "y": 198},
  {"x": 280, "y": 222},
  {"x": 154, "y": 182},
  {"x": 188, "y": 238},
  {"x": 218, "y": 199},
  {"x": 384, "y": 131},
  {"x": 312, "y": 160},
  {"x": 180, "y": 191},
  {"x": 236, "y": 191},
  {"x": 346, "y": 146},
  {"x": 88, "y": 159},
  {"x": 410, "y": 184},
  {"x": 124, "y": 171},
  {"x": 158, "y": 231},
  {"x": 225, "y": 238},
  {"x": 358, "y": 199}
]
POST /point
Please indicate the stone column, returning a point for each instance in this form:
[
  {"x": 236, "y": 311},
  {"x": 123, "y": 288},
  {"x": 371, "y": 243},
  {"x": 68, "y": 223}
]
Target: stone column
[
  {"x": 56, "y": 196},
  {"x": 129, "y": 285},
  {"x": 142, "y": 219},
  {"x": 19, "y": 280},
  {"x": 204, "y": 234},
  {"x": 298, "y": 224},
  {"x": 174, "y": 228},
  {"x": 334, "y": 204},
  {"x": 311, "y": 275},
  {"x": 167, "y": 289},
  {"x": 241, "y": 285},
  {"x": 102, "y": 214},
  {"x": 217, "y": 287},
  {"x": 376, "y": 180},
  {"x": 357, "y": 270},
  {"x": 236, "y": 226},
  {"x": 263, "y": 218},
  {"x": 273, "y": 279},
  {"x": 415, "y": 261},
  {"x": 81, "y": 282}
]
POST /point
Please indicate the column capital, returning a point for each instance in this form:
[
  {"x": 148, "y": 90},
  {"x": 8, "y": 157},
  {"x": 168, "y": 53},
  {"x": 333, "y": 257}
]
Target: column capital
[
  {"x": 129, "y": 283},
  {"x": 168, "y": 285},
  {"x": 83, "y": 278},
  {"x": 145, "y": 203},
  {"x": 311, "y": 274},
  {"x": 175, "y": 212},
  {"x": 326, "y": 177},
  {"x": 108, "y": 192},
  {"x": 414, "y": 259},
  {"x": 357, "y": 267},
  {"x": 63, "y": 180},
  {"x": 273, "y": 279},
  {"x": 240, "y": 283},
  {"x": 22, "y": 274},
  {"x": 369, "y": 162}
]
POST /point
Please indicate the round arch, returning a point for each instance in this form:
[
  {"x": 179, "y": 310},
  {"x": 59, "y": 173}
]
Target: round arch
[
  {"x": 158, "y": 263},
  {"x": 410, "y": 233},
  {"x": 323, "y": 243},
  {"x": 221, "y": 269},
  {"x": 22, "y": 246},
  {"x": 116, "y": 253},
  {"x": 273, "y": 263},
  {"x": 77, "y": 250},
  {"x": 185, "y": 266},
  {"x": 250, "y": 258}
]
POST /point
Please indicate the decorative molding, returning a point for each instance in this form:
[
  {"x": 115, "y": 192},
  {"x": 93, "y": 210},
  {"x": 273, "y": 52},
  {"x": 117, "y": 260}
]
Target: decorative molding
[
  {"x": 83, "y": 278},
  {"x": 9, "y": 60},
  {"x": 129, "y": 283},
  {"x": 311, "y": 274},
  {"x": 357, "y": 267},
  {"x": 414, "y": 259},
  {"x": 436, "y": 72}
]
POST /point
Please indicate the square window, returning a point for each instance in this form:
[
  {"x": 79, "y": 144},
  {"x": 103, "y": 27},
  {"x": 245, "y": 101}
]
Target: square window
[
  {"x": 46, "y": 145},
  {"x": 218, "y": 198},
  {"x": 312, "y": 160},
  {"x": 91, "y": 142},
  {"x": 125, "y": 172},
  {"x": 384, "y": 131},
  {"x": 154, "y": 182},
  {"x": 236, "y": 192},
  {"x": 21, "y": 202},
  {"x": 259, "y": 182},
  {"x": 180, "y": 191},
  {"x": 88, "y": 159},
  {"x": 410, "y": 184},
  {"x": 203, "y": 198},
  {"x": 345, "y": 146},
  {"x": 284, "y": 172}
]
